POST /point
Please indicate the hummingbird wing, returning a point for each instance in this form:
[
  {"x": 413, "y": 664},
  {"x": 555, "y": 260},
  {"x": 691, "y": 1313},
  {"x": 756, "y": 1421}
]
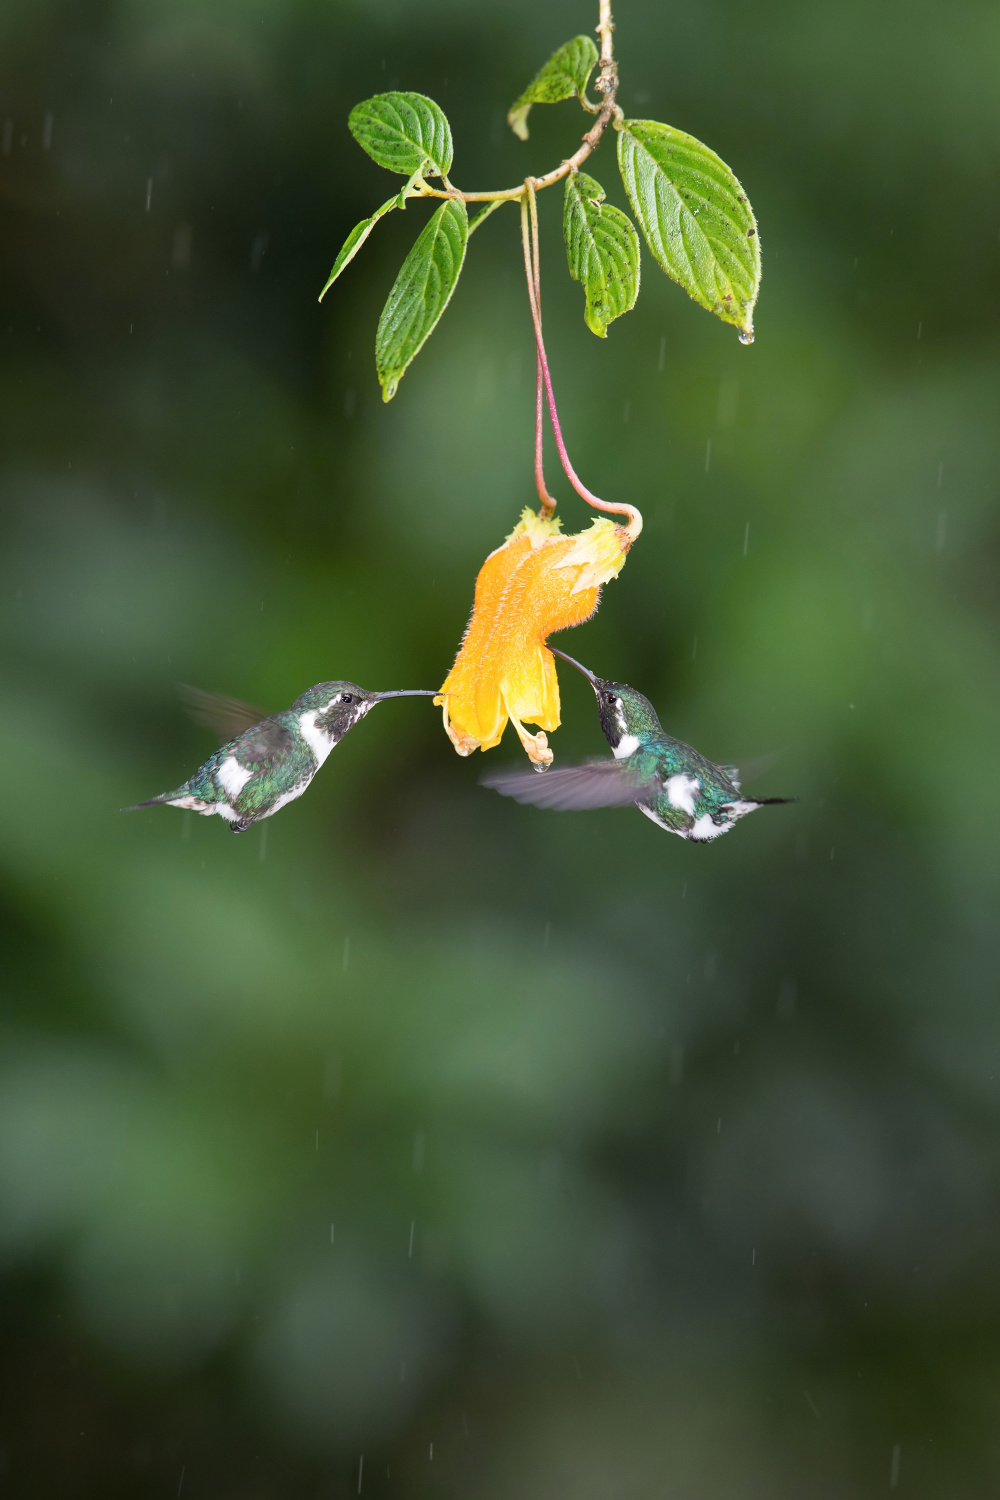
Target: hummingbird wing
[
  {"x": 228, "y": 717},
  {"x": 599, "y": 783}
]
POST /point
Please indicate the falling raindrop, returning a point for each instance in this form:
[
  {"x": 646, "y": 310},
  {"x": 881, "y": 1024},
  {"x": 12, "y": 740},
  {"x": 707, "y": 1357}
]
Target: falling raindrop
[
  {"x": 47, "y": 125},
  {"x": 746, "y": 539},
  {"x": 708, "y": 455},
  {"x": 661, "y": 361}
]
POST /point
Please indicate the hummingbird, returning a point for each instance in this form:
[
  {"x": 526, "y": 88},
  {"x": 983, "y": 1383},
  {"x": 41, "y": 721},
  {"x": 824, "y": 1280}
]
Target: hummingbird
[
  {"x": 270, "y": 759},
  {"x": 674, "y": 785}
]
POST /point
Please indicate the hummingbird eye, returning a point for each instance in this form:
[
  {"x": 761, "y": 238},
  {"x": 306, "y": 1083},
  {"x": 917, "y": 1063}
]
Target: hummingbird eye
[{"x": 347, "y": 697}]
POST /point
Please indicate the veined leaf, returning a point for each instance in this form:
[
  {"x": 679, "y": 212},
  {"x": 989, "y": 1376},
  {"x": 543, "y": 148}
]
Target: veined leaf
[
  {"x": 565, "y": 74},
  {"x": 403, "y": 132},
  {"x": 421, "y": 293},
  {"x": 355, "y": 240},
  {"x": 602, "y": 248},
  {"x": 695, "y": 217}
]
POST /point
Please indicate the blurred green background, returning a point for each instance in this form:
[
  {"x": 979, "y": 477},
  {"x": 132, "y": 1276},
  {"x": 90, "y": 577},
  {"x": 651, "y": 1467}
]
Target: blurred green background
[{"x": 416, "y": 1142}]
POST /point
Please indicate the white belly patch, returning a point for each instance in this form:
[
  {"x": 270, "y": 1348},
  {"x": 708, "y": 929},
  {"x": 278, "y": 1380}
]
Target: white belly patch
[
  {"x": 681, "y": 792},
  {"x": 232, "y": 777},
  {"x": 704, "y": 830}
]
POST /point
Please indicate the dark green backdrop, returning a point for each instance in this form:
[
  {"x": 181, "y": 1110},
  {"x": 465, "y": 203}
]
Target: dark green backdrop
[{"x": 525, "y": 1155}]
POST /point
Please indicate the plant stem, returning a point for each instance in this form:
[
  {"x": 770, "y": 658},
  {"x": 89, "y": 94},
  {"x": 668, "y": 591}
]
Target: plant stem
[
  {"x": 529, "y": 240},
  {"x": 529, "y": 244},
  {"x": 606, "y": 83}
]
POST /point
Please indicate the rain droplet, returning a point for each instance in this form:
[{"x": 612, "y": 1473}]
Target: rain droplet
[{"x": 746, "y": 336}]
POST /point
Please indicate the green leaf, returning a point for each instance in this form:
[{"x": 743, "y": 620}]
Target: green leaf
[
  {"x": 421, "y": 293},
  {"x": 695, "y": 217},
  {"x": 565, "y": 74},
  {"x": 404, "y": 133},
  {"x": 355, "y": 240},
  {"x": 602, "y": 248}
]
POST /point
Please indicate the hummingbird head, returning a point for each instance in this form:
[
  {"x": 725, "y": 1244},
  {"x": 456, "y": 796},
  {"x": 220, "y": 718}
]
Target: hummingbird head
[
  {"x": 627, "y": 718},
  {"x": 335, "y": 707}
]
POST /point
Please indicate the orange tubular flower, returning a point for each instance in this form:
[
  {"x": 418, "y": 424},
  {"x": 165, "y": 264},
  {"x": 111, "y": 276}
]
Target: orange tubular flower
[{"x": 538, "y": 582}]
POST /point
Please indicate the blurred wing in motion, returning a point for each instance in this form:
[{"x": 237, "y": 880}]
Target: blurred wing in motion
[
  {"x": 750, "y": 769},
  {"x": 227, "y": 716},
  {"x": 600, "y": 783}
]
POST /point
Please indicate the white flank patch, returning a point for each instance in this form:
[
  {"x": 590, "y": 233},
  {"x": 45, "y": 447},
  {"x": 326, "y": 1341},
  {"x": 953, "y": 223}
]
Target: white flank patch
[
  {"x": 704, "y": 830},
  {"x": 317, "y": 741},
  {"x": 225, "y": 811},
  {"x": 652, "y": 816},
  {"x": 193, "y": 804},
  {"x": 232, "y": 777},
  {"x": 740, "y": 809},
  {"x": 626, "y": 746},
  {"x": 681, "y": 791}
]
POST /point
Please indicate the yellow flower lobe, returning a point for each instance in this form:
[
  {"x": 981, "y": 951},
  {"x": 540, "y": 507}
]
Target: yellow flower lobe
[{"x": 538, "y": 582}]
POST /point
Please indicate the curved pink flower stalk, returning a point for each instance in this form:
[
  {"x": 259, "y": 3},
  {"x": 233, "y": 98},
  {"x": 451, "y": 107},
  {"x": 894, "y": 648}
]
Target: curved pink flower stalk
[{"x": 529, "y": 238}]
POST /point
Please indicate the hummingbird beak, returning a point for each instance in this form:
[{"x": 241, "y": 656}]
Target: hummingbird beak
[
  {"x": 589, "y": 675},
  {"x": 408, "y": 693}
]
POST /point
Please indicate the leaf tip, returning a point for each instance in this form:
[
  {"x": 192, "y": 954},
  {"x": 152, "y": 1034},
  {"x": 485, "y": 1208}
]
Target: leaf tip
[
  {"x": 517, "y": 119},
  {"x": 389, "y": 388}
]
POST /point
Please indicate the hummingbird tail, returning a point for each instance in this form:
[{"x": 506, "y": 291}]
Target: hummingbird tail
[
  {"x": 774, "y": 801},
  {"x": 155, "y": 801}
]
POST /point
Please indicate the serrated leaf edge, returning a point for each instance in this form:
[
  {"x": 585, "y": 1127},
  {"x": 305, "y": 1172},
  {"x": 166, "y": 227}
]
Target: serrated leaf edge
[
  {"x": 517, "y": 115},
  {"x": 390, "y": 384},
  {"x": 349, "y": 250},
  {"x": 607, "y": 212},
  {"x": 729, "y": 181},
  {"x": 429, "y": 164}
]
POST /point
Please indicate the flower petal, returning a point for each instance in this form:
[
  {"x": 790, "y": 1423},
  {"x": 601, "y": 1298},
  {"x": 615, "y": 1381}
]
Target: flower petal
[{"x": 538, "y": 582}]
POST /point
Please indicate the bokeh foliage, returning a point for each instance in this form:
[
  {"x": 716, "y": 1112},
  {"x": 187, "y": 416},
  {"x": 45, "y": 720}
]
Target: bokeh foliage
[{"x": 602, "y": 1163}]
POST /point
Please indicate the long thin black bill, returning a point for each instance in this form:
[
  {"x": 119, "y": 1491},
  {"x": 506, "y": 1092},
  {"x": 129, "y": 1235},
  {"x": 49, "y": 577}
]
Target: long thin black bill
[
  {"x": 573, "y": 663},
  {"x": 409, "y": 693}
]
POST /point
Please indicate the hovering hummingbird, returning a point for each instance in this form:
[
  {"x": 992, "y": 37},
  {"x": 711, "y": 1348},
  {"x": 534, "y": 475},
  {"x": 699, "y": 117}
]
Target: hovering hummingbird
[
  {"x": 667, "y": 780},
  {"x": 269, "y": 759}
]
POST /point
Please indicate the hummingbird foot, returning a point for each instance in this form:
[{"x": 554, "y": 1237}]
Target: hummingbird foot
[{"x": 240, "y": 825}]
